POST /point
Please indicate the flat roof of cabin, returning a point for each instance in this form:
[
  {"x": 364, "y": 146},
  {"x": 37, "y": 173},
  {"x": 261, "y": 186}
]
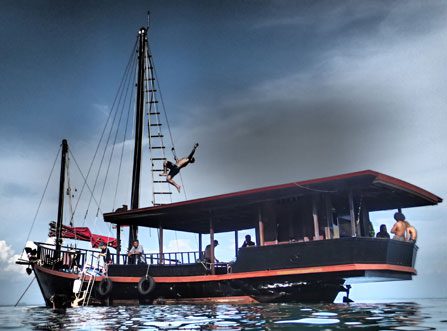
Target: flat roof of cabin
[{"x": 238, "y": 210}]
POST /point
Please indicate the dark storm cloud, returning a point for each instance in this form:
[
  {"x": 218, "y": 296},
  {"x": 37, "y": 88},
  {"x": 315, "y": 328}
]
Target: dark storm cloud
[{"x": 274, "y": 91}]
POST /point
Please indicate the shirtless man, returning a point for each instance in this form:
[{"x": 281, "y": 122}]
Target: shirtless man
[
  {"x": 400, "y": 227},
  {"x": 412, "y": 233},
  {"x": 174, "y": 169}
]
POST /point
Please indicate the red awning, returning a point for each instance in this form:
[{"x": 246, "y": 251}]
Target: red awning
[{"x": 82, "y": 233}]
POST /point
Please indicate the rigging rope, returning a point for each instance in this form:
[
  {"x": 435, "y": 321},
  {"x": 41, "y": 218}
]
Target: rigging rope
[
  {"x": 122, "y": 150},
  {"x": 43, "y": 194},
  {"x": 166, "y": 118},
  {"x": 114, "y": 140},
  {"x": 27, "y": 288},
  {"x": 103, "y": 131},
  {"x": 84, "y": 178},
  {"x": 111, "y": 128}
]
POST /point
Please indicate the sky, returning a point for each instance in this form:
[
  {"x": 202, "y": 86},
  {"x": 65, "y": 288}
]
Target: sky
[{"x": 274, "y": 92}]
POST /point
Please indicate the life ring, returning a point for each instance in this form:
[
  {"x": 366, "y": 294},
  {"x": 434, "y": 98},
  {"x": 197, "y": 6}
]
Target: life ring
[
  {"x": 146, "y": 285},
  {"x": 105, "y": 287}
]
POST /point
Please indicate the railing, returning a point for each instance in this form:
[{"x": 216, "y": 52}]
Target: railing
[
  {"x": 165, "y": 258},
  {"x": 73, "y": 259}
]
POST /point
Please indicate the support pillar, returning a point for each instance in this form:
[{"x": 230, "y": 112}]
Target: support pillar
[
  {"x": 236, "y": 243},
  {"x": 352, "y": 214},
  {"x": 261, "y": 227},
  {"x": 160, "y": 244},
  {"x": 200, "y": 247},
  {"x": 315, "y": 218},
  {"x": 213, "y": 269},
  {"x": 118, "y": 244}
]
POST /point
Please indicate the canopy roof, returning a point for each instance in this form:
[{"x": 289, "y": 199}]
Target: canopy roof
[{"x": 239, "y": 210}]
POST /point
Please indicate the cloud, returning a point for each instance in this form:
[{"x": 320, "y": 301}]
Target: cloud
[
  {"x": 179, "y": 245},
  {"x": 7, "y": 261}
]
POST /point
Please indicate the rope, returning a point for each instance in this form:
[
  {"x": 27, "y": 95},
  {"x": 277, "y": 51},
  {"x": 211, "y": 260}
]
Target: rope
[
  {"x": 43, "y": 195},
  {"x": 122, "y": 152},
  {"x": 110, "y": 132},
  {"x": 103, "y": 131},
  {"x": 114, "y": 140},
  {"x": 84, "y": 178},
  {"x": 166, "y": 118},
  {"x": 29, "y": 285}
]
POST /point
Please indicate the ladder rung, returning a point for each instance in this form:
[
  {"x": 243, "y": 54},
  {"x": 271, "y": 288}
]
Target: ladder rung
[
  {"x": 157, "y": 136},
  {"x": 160, "y": 181},
  {"x": 153, "y": 101},
  {"x": 162, "y": 192},
  {"x": 147, "y": 79},
  {"x": 157, "y": 124},
  {"x": 159, "y": 204},
  {"x": 156, "y": 113},
  {"x": 157, "y": 147},
  {"x": 158, "y": 158},
  {"x": 157, "y": 170},
  {"x": 153, "y": 90}
]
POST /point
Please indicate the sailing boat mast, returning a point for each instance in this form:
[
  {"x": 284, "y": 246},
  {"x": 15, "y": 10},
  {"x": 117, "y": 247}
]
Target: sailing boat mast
[
  {"x": 134, "y": 202},
  {"x": 60, "y": 210}
]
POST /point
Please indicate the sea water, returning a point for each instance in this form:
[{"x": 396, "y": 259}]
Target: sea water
[{"x": 420, "y": 314}]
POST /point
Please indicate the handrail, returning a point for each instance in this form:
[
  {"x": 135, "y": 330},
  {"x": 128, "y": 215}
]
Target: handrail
[{"x": 75, "y": 258}]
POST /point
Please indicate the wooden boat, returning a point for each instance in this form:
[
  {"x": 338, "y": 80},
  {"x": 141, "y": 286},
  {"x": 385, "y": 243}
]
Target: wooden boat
[{"x": 314, "y": 239}]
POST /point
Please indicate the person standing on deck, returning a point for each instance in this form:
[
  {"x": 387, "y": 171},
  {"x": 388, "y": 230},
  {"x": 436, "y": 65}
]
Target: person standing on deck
[
  {"x": 207, "y": 253},
  {"x": 174, "y": 169},
  {"x": 400, "y": 227}
]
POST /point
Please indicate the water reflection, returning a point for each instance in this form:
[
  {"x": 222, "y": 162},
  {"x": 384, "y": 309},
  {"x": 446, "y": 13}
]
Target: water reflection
[{"x": 389, "y": 316}]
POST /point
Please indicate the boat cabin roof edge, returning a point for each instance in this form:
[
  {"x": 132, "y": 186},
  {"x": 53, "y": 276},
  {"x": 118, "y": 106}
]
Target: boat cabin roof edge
[{"x": 375, "y": 190}]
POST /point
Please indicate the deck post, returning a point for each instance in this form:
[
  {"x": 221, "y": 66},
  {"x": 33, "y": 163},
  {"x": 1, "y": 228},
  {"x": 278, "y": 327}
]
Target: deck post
[
  {"x": 236, "y": 242},
  {"x": 315, "y": 218},
  {"x": 352, "y": 214},
  {"x": 200, "y": 247},
  {"x": 160, "y": 244},
  {"x": 118, "y": 243},
  {"x": 261, "y": 227},
  {"x": 213, "y": 270},
  {"x": 328, "y": 205}
]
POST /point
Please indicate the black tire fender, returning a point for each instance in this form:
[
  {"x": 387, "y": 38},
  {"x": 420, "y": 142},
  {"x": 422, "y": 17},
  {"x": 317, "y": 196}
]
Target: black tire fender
[
  {"x": 105, "y": 287},
  {"x": 146, "y": 285}
]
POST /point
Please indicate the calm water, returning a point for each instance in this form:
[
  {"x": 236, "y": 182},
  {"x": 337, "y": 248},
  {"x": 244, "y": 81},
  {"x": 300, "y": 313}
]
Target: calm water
[{"x": 413, "y": 315}]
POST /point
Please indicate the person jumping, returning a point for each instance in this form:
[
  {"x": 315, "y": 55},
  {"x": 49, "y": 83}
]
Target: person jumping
[{"x": 174, "y": 168}]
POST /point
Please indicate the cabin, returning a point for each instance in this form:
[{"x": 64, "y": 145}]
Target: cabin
[{"x": 328, "y": 214}]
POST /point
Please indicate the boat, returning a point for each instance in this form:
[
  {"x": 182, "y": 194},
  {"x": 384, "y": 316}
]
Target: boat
[{"x": 313, "y": 238}]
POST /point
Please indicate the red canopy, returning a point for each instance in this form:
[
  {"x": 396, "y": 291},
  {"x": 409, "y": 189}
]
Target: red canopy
[{"x": 82, "y": 233}]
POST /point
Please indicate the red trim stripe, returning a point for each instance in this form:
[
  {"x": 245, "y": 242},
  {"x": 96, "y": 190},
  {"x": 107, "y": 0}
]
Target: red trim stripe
[{"x": 251, "y": 274}]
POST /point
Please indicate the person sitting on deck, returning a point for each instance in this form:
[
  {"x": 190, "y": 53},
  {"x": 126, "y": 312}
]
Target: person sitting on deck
[
  {"x": 383, "y": 233},
  {"x": 400, "y": 227},
  {"x": 207, "y": 253},
  {"x": 412, "y": 233},
  {"x": 174, "y": 169},
  {"x": 135, "y": 253},
  {"x": 248, "y": 242}
]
